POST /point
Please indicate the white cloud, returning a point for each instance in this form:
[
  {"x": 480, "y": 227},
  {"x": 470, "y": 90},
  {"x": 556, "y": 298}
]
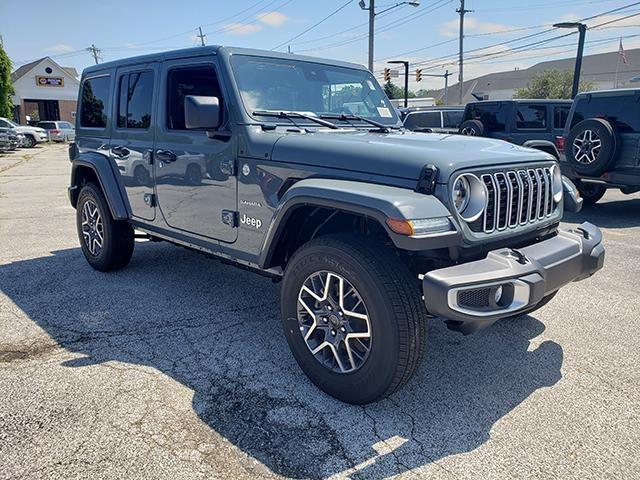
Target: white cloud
[
  {"x": 471, "y": 25},
  {"x": 273, "y": 19},
  {"x": 242, "y": 28},
  {"x": 60, "y": 48}
]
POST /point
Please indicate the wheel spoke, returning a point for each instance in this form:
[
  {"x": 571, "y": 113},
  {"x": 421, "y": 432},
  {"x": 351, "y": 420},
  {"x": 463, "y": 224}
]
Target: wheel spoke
[{"x": 334, "y": 322}]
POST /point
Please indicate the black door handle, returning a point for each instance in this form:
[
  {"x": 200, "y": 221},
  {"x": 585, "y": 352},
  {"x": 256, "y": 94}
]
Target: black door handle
[{"x": 166, "y": 156}]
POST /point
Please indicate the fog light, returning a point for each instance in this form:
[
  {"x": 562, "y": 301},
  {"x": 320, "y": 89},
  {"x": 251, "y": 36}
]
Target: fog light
[{"x": 497, "y": 295}]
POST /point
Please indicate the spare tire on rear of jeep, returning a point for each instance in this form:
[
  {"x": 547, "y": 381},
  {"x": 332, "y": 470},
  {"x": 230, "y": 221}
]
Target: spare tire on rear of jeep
[
  {"x": 591, "y": 146},
  {"x": 472, "y": 128}
]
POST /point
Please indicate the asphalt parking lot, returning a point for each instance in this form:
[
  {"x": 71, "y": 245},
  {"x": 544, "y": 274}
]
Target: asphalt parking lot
[{"x": 176, "y": 367}]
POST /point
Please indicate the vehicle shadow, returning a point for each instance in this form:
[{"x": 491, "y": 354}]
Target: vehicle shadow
[
  {"x": 216, "y": 330},
  {"x": 620, "y": 212}
]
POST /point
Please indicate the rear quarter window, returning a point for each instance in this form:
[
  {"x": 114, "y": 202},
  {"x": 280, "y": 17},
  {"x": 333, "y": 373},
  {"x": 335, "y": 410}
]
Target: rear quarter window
[
  {"x": 422, "y": 120},
  {"x": 623, "y": 111},
  {"x": 492, "y": 115},
  {"x": 94, "y": 102}
]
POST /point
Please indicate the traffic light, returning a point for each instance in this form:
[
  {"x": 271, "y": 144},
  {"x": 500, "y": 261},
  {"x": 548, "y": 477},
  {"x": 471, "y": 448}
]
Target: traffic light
[
  {"x": 418, "y": 74},
  {"x": 387, "y": 74}
]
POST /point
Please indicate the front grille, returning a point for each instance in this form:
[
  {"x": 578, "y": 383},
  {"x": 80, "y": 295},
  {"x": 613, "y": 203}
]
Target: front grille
[{"x": 515, "y": 198}]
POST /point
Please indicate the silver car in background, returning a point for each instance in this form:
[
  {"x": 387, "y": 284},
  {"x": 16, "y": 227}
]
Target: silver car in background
[{"x": 59, "y": 131}]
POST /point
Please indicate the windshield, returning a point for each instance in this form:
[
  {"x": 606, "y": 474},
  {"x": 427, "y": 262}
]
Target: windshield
[{"x": 271, "y": 84}]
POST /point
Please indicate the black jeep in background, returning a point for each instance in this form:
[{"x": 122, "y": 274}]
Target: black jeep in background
[
  {"x": 530, "y": 123},
  {"x": 601, "y": 143}
]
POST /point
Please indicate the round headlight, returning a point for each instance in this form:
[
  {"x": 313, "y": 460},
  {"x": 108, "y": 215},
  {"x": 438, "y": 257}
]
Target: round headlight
[
  {"x": 461, "y": 192},
  {"x": 469, "y": 196},
  {"x": 556, "y": 178}
]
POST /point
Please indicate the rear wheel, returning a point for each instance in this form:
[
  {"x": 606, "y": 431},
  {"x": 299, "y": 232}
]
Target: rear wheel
[
  {"x": 591, "y": 147},
  {"x": 591, "y": 192},
  {"x": 472, "y": 128},
  {"x": 107, "y": 244},
  {"x": 353, "y": 317}
]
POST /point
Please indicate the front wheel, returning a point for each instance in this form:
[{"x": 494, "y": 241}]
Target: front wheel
[
  {"x": 353, "y": 317},
  {"x": 29, "y": 141},
  {"x": 107, "y": 244},
  {"x": 591, "y": 192}
]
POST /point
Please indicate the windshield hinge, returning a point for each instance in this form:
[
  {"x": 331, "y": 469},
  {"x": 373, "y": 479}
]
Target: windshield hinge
[{"x": 427, "y": 180}]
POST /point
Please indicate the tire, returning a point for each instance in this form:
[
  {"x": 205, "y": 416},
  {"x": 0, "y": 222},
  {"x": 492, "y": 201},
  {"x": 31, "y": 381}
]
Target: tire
[
  {"x": 30, "y": 142},
  {"x": 592, "y": 146},
  {"x": 391, "y": 301},
  {"x": 472, "y": 128},
  {"x": 591, "y": 192},
  {"x": 117, "y": 236},
  {"x": 193, "y": 174}
]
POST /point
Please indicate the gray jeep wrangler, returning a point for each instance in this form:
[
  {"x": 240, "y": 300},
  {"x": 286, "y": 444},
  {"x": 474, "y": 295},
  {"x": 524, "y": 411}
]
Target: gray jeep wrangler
[{"x": 258, "y": 159}]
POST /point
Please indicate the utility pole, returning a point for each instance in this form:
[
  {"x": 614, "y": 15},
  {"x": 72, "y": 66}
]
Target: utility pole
[
  {"x": 461, "y": 11},
  {"x": 372, "y": 19},
  {"x": 201, "y": 36},
  {"x": 94, "y": 51}
]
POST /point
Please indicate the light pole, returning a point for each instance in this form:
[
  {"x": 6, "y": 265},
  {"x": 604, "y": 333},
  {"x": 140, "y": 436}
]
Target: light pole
[
  {"x": 372, "y": 18},
  {"x": 582, "y": 29},
  {"x": 406, "y": 79}
]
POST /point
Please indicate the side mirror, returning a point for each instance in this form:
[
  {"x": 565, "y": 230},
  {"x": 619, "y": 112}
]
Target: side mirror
[{"x": 201, "y": 112}]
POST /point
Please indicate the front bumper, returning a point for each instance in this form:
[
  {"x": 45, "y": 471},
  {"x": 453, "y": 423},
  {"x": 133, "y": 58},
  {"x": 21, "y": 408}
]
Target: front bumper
[{"x": 509, "y": 281}]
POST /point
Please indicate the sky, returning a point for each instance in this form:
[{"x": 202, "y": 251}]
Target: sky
[{"x": 426, "y": 35}]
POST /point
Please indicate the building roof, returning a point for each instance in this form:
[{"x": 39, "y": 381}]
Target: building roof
[
  {"x": 24, "y": 69},
  {"x": 599, "y": 68}
]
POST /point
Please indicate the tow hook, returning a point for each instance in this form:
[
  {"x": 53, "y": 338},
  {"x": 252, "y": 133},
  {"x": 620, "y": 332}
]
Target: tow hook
[{"x": 583, "y": 232}]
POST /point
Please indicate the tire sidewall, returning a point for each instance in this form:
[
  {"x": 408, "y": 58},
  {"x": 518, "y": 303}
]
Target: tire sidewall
[
  {"x": 606, "y": 157},
  {"x": 475, "y": 125},
  {"x": 31, "y": 142},
  {"x": 374, "y": 376},
  {"x": 90, "y": 192}
]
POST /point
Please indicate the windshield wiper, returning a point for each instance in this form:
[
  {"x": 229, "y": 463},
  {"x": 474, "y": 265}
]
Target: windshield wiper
[
  {"x": 345, "y": 118},
  {"x": 290, "y": 115}
]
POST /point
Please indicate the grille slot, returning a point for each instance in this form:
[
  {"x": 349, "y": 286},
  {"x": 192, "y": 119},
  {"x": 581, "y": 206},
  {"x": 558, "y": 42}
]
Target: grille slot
[{"x": 516, "y": 197}]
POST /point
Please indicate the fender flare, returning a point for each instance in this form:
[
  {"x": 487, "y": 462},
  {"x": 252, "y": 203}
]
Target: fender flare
[
  {"x": 543, "y": 145},
  {"x": 109, "y": 184},
  {"x": 378, "y": 202}
]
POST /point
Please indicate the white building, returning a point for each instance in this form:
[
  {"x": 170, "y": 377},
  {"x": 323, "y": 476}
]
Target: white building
[{"x": 45, "y": 91}]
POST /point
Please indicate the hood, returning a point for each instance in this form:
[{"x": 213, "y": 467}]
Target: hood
[
  {"x": 27, "y": 129},
  {"x": 400, "y": 154}
]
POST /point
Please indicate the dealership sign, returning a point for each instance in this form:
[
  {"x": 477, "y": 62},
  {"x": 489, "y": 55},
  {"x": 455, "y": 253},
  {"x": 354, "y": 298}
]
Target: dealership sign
[{"x": 49, "y": 81}]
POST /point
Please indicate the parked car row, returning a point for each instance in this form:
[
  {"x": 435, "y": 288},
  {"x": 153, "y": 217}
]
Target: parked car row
[
  {"x": 596, "y": 137},
  {"x": 13, "y": 136}
]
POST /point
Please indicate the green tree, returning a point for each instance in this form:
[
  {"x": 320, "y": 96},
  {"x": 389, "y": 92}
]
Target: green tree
[
  {"x": 392, "y": 90},
  {"x": 6, "y": 87},
  {"x": 552, "y": 84}
]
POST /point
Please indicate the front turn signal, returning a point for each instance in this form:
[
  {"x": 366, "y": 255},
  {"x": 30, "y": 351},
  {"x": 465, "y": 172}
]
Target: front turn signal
[{"x": 419, "y": 227}]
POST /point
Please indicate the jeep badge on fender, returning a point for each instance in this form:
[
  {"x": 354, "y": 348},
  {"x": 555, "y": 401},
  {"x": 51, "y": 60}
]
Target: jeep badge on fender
[{"x": 366, "y": 250}]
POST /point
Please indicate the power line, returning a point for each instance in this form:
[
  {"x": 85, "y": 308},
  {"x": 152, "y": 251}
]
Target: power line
[{"x": 314, "y": 25}]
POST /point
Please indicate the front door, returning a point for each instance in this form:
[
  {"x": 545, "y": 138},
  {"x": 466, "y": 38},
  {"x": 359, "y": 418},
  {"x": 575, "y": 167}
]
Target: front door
[
  {"x": 132, "y": 136},
  {"x": 194, "y": 170}
]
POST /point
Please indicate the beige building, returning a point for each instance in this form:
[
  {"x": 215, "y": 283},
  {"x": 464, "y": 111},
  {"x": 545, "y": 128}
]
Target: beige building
[{"x": 44, "y": 91}]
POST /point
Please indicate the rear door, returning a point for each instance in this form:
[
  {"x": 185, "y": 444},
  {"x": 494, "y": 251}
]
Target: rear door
[
  {"x": 133, "y": 134},
  {"x": 194, "y": 172}
]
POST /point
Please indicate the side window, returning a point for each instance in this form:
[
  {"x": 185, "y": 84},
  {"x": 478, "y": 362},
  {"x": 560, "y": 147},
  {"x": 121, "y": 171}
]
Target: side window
[
  {"x": 135, "y": 97},
  {"x": 560, "y": 116},
  {"x": 4, "y": 124},
  {"x": 452, "y": 119},
  {"x": 529, "y": 117},
  {"x": 423, "y": 120},
  {"x": 492, "y": 115},
  {"x": 94, "y": 101},
  {"x": 196, "y": 80}
]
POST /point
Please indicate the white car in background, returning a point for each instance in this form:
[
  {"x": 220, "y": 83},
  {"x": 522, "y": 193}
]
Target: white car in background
[
  {"x": 32, "y": 135},
  {"x": 59, "y": 131}
]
